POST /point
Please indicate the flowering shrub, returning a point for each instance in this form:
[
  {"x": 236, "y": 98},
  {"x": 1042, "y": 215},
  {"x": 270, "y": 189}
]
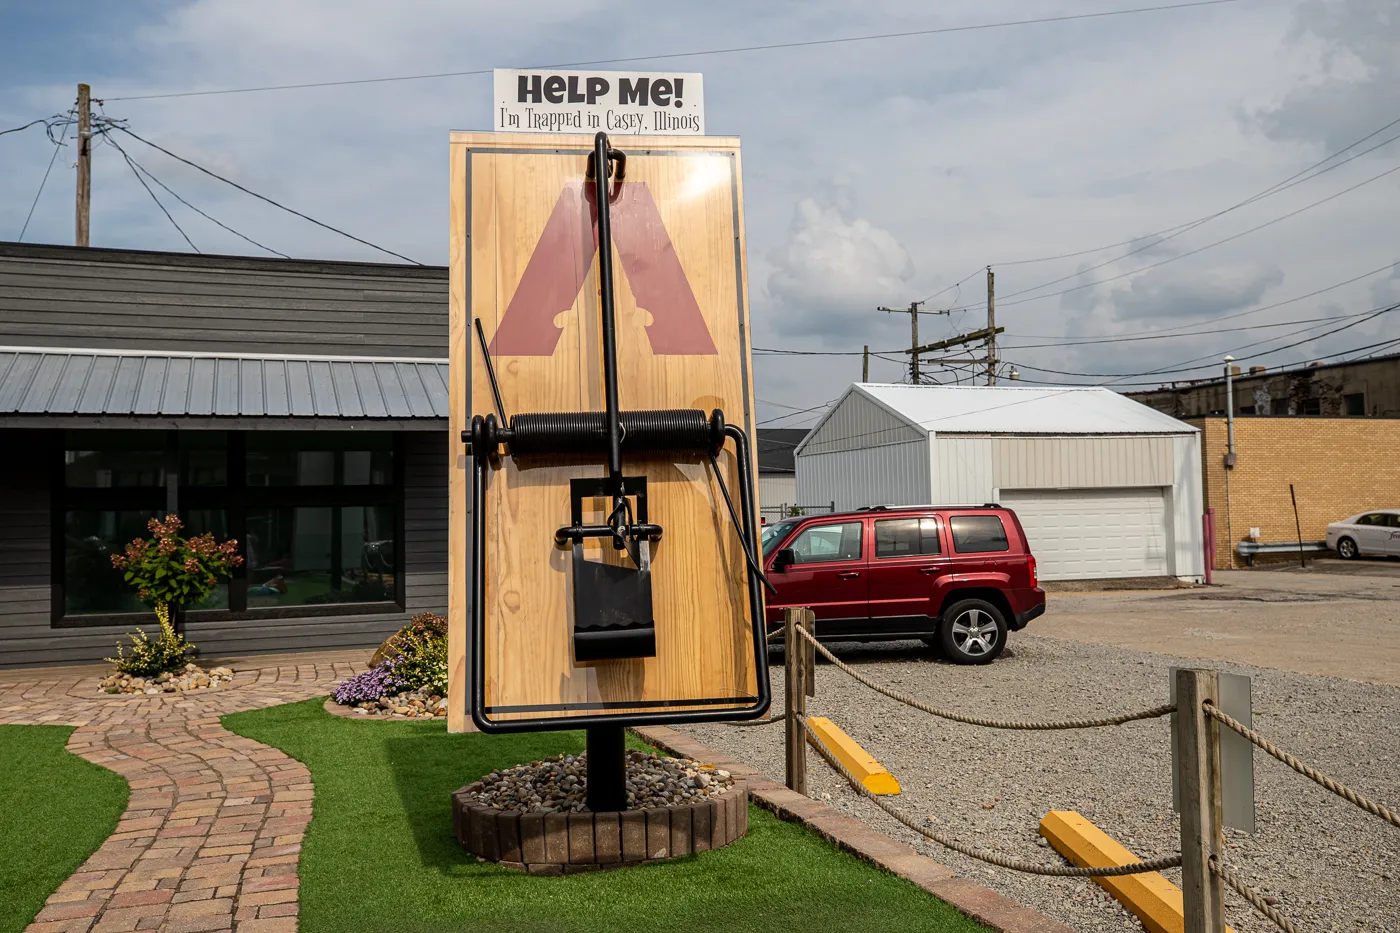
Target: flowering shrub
[
  {"x": 171, "y": 570},
  {"x": 377, "y": 682},
  {"x": 150, "y": 658},
  {"x": 420, "y": 653}
]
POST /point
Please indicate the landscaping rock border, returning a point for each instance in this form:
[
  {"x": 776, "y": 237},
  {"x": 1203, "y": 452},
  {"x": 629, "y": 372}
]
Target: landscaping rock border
[
  {"x": 569, "y": 843},
  {"x": 190, "y": 677}
]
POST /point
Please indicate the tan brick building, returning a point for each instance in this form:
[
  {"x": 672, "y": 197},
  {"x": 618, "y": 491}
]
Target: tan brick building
[{"x": 1338, "y": 466}]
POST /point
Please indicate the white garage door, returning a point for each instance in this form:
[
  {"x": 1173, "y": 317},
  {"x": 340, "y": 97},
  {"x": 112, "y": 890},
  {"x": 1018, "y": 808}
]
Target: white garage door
[{"x": 1079, "y": 534}]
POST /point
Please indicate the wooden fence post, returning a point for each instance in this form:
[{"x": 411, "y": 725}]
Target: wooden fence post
[
  {"x": 809, "y": 657},
  {"x": 1198, "y": 779},
  {"x": 795, "y": 651}
]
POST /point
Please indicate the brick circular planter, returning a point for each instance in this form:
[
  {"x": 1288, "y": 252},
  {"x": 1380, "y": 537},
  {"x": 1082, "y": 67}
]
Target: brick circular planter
[{"x": 565, "y": 843}]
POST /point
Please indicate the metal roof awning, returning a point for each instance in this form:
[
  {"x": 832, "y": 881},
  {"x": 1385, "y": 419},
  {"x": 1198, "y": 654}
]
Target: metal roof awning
[{"x": 41, "y": 381}]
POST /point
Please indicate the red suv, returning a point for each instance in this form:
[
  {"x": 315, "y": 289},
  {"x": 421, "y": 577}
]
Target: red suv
[{"x": 960, "y": 577}]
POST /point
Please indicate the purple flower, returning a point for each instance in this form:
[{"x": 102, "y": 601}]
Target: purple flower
[{"x": 370, "y": 685}]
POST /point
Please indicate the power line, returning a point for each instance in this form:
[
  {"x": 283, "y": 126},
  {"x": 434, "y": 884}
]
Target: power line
[
  {"x": 57, "y": 145},
  {"x": 1375, "y": 349},
  {"x": 261, "y": 197},
  {"x": 1192, "y": 226},
  {"x": 671, "y": 55},
  {"x": 1200, "y": 249},
  {"x": 1196, "y": 333},
  {"x": 1277, "y": 304},
  {"x": 770, "y": 351},
  {"x": 16, "y": 129},
  {"x": 1184, "y": 366},
  {"x": 107, "y": 135},
  {"x": 1273, "y": 189},
  {"x": 799, "y": 412},
  {"x": 132, "y": 165}
]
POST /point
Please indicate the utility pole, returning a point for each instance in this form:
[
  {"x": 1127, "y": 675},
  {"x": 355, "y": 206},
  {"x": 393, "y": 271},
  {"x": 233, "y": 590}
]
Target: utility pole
[
  {"x": 84, "y": 205},
  {"x": 914, "y": 342},
  {"x": 865, "y": 365},
  {"x": 913, "y": 312},
  {"x": 991, "y": 327}
]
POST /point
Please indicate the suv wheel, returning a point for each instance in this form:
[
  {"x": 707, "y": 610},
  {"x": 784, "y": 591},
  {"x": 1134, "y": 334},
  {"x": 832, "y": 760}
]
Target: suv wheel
[
  {"x": 1346, "y": 549},
  {"x": 972, "y": 631}
]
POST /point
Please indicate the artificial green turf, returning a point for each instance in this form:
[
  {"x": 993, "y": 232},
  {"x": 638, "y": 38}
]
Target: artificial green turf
[
  {"x": 380, "y": 855},
  {"x": 56, "y": 809}
]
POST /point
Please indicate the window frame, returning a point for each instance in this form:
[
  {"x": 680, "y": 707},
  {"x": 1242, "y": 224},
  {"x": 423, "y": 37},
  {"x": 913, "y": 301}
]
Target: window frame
[
  {"x": 920, "y": 555},
  {"x": 235, "y": 498},
  {"x": 860, "y": 557},
  {"x": 1005, "y": 533}
]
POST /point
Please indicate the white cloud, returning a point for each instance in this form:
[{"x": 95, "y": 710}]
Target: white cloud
[
  {"x": 968, "y": 149},
  {"x": 1172, "y": 294},
  {"x": 834, "y": 270}
]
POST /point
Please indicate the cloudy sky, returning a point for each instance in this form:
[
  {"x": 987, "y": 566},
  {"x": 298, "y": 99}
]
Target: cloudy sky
[{"x": 876, "y": 172}]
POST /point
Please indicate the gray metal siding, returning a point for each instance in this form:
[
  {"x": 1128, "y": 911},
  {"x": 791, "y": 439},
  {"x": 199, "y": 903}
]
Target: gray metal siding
[
  {"x": 27, "y": 638},
  {"x": 55, "y": 296},
  {"x": 857, "y": 423},
  {"x": 893, "y": 474},
  {"x": 56, "y": 382},
  {"x": 1078, "y": 462}
]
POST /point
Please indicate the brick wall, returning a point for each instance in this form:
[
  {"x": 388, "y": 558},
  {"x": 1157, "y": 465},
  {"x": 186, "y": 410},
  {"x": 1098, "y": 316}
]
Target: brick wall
[{"x": 1339, "y": 466}]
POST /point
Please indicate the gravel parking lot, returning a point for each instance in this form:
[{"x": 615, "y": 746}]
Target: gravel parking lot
[{"x": 1330, "y": 865}]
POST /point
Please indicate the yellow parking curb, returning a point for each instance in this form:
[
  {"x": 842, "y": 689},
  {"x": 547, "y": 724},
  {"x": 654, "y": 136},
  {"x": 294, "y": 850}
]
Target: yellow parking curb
[
  {"x": 871, "y": 774},
  {"x": 1152, "y": 898}
]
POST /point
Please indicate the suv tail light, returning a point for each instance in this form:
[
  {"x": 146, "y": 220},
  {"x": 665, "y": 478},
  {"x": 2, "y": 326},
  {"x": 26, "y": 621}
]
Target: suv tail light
[{"x": 1035, "y": 581}]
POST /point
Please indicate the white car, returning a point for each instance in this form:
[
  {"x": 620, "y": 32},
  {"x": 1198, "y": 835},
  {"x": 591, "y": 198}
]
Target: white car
[{"x": 1375, "y": 533}]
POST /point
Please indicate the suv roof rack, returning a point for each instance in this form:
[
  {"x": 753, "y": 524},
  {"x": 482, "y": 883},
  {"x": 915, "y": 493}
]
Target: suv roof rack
[{"x": 926, "y": 505}]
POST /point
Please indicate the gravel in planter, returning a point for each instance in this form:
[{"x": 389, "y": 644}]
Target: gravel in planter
[
  {"x": 189, "y": 677},
  {"x": 559, "y": 785}
]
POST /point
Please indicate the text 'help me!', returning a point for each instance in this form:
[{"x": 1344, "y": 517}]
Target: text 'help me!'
[{"x": 617, "y": 102}]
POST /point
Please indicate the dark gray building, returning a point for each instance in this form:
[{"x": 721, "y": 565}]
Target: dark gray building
[
  {"x": 1356, "y": 388},
  {"x": 300, "y": 407}
]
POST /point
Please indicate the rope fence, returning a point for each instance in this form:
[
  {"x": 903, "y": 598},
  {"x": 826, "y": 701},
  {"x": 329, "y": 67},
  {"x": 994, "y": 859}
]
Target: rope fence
[
  {"x": 1312, "y": 774},
  {"x": 981, "y": 855},
  {"x": 1256, "y": 900},
  {"x": 1118, "y": 720},
  {"x": 1205, "y": 761}
]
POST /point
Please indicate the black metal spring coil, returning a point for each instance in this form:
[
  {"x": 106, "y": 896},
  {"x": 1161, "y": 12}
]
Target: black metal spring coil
[{"x": 672, "y": 429}]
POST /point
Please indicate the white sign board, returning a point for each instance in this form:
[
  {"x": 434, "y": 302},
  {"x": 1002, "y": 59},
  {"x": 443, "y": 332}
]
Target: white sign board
[{"x": 616, "y": 102}]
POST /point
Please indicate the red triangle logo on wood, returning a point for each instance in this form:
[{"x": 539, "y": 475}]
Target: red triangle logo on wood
[{"x": 558, "y": 267}]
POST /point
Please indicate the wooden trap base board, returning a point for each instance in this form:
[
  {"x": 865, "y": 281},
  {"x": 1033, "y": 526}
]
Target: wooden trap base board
[{"x": 523, "y": 262}]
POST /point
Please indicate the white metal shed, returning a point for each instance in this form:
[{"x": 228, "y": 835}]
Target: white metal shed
[{"x": 1104, "y": 486}]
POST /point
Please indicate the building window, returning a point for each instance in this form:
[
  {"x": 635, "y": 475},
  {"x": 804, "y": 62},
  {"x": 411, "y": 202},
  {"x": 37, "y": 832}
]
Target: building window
[
  {"x": 1246, "y": 409},
  {"x": 1310, "y": 406},
  {"x": 317, "y": 516},
  {"x": 1354, "y": 403}
]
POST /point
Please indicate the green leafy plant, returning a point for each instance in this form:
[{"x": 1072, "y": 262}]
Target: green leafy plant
[
  {"x": 169, "y": 570},
  {"x": 795, "y": 510},
  {"x": 151, "y": 657},
  {"x": 419, "y": 653}
]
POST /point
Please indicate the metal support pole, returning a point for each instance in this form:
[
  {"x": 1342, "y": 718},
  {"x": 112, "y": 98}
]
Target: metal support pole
[
  {"x": 1298, "y": 527},
  {"x": 795, "y": 699},
  {"x": 1208, "y": 539},
  {"x": 607, "y": 769},
  {"x": 1198, "y": 778}
]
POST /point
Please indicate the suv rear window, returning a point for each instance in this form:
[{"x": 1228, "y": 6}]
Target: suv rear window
[
  {"x": 906, "y": 537},
  {"x": 976, "y": 534}
]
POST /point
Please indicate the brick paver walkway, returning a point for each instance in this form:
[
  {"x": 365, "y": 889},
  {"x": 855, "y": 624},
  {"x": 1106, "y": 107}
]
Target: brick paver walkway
[{"x": 212, "y": 834}]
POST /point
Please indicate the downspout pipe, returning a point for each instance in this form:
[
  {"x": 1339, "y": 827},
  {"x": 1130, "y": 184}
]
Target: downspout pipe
[{"x": 1229, "y": 413}]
